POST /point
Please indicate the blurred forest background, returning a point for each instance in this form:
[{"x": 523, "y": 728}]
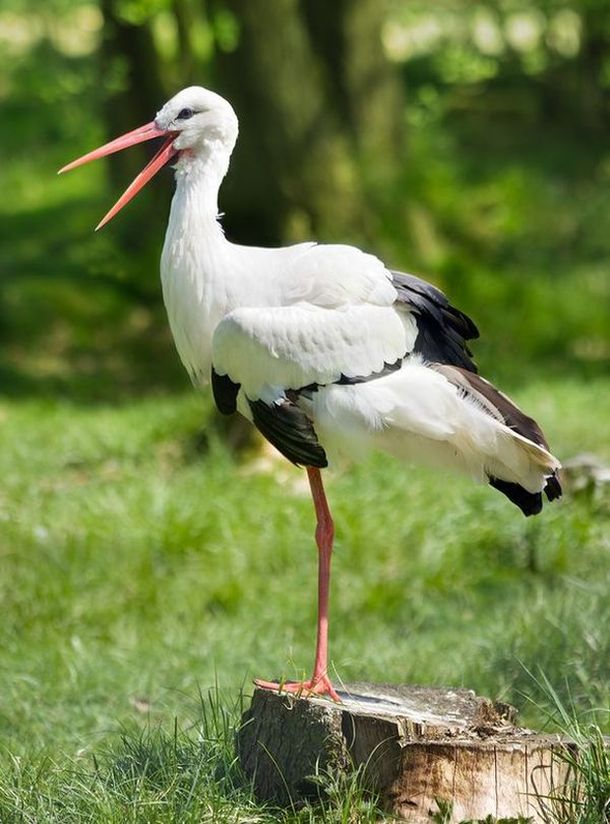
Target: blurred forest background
[{"x": 464, "y": 141}]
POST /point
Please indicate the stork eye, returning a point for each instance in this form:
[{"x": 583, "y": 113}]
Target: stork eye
[{"x": 185, "y": 114}]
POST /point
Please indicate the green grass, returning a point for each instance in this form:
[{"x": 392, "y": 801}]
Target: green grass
[{"x": 140, "y": 564}]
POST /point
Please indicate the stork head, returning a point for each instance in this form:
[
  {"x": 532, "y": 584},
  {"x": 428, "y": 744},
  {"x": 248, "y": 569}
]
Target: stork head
[
  {"x": 199, "y": 119},
  {"x": 196, "y": 123}
]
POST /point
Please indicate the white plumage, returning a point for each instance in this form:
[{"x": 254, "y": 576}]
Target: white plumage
[
  {"x": 294, "y": 346},
  {"x": 328, "y": 352},
  {"x": 417, "y": 415}
]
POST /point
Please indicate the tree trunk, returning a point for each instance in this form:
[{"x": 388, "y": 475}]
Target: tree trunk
[
  {"x": 363, "y": 86},
  {"x": 303, "y": 92}
]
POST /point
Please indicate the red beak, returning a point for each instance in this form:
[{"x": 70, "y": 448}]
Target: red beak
[{"x": 147, "y": 132}]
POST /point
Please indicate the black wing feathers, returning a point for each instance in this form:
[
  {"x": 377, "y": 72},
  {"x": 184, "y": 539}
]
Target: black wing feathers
[
  {"x": 388, "y": 368},
  {"x": 553, "y": 489},
  {"x": 442, "y": 329},
  {"x": 225, "y": 393},
  {"x": 289, "y": 429},
  {"x": 283, "y": 424},
  {"x": 530, "y": 503}
]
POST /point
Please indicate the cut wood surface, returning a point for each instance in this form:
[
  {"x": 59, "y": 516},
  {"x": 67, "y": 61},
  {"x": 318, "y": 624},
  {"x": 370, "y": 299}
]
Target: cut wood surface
[{"x": 417, "y": 745}]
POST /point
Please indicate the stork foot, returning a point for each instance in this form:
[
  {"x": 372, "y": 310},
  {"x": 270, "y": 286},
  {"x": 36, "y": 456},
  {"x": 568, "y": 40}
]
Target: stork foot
[{"x": 315, "y": 686}]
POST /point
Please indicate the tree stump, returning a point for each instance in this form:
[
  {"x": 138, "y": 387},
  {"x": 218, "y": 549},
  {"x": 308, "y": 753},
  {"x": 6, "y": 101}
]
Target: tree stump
[{"x": 416, "y": 746}]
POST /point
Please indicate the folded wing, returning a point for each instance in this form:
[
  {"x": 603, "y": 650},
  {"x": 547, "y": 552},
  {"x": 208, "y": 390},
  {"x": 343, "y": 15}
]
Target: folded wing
[
  {"x": 290, "y": 347},
  {"x": 267, "y": 357}
]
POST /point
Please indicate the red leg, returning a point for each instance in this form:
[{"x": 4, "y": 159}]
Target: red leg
[{"x": 319, "y": 683}]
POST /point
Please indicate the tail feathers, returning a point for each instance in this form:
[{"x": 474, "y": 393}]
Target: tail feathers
[
  {"x": 530, "y": 463},
  {"x": 537, "y": 452},
  {"x": 530, "y": 503}
]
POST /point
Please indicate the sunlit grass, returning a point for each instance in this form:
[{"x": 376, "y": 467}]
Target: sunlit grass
[{"x": 140, "y": 563}]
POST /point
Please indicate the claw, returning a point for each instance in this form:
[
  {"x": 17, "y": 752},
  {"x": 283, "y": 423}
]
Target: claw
[{"x": 319, "y": 686}]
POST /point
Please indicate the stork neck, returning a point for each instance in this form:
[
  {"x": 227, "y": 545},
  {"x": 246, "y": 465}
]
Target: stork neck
[
  {"x": 194, "y": 270},
  {"x": 194, "y": 241},
  {"x": 198, "y": 179}
]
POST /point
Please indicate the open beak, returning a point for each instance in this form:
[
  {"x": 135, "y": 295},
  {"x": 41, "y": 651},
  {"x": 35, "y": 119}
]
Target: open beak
[{"x": 139, "y": 135}]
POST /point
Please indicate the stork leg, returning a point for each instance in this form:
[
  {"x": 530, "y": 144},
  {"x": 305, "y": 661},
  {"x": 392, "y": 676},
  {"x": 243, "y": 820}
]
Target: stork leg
[{"x": 319, "y": 683}]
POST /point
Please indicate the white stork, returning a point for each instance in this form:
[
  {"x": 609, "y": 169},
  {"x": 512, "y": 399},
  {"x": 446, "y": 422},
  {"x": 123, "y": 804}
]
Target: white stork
[{"x": 322, "y": 347}]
